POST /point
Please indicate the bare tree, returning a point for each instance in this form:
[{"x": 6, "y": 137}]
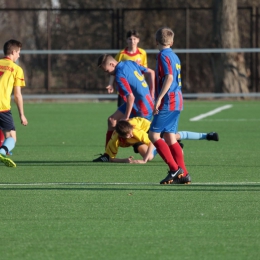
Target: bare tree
[{"x": 230, "y": 70}]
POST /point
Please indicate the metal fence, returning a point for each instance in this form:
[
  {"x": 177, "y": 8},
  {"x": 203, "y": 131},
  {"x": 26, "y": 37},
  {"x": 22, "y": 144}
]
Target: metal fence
[{"x": 61, "y": 46}]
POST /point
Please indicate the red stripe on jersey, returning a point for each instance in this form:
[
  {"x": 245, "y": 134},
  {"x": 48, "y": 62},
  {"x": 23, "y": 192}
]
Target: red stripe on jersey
[
  {"x": 181, "y": 100},
  {"x": 143, "y": 108},
  {"x": 150, "y": 101},
  {"x": 169, "y": 65},
  {"x": 126, "y": 85},
  {"x": 172, "y": 101},
  {"x": 125, "y": 51}
]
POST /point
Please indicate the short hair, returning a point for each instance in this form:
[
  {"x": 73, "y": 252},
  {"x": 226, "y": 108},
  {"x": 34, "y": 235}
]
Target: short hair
[
  {"x": 132, "y": 33},
  {"x": 103, "y": 59},
  {"x": 164, "y": 36},
  {"x": 11, "y": 45},
  {"x": 123, "y": 128}
]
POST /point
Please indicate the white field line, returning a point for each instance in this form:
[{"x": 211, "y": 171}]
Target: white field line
[
  {"x": 210, "y": 113},
  {"x": 122, "y": 183},
  {"x": 234, "y": 120}
]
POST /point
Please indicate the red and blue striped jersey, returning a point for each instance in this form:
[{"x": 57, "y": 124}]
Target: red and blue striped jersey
[
  {"x": 169, "y": 63},
  {"x": 129, "y": 79}
]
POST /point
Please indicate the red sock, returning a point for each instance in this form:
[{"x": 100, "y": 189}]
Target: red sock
[
  {"x": 108, "y": 136},
  {"x": 178, "y": 156},
  {"x": 2, "y": 138},
  {"x": 164, "y": 151}
]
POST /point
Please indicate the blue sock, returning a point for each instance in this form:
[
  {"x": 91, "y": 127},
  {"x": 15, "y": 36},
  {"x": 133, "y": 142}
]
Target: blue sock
[
  {"x": 185, "y": 135},
  {"x": 154, "y": 151},
  {"x": 9, "y": 143}
]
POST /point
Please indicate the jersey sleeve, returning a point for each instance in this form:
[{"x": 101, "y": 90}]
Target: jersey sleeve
[
  {"x": 166, "y": 65},
  {"x": 119, "y": 56},
  {"x": 144, "y": 58},
  {"x": 124, "y": 88},
  {"x": 142, "y": 69},
  {"x": 19, "y": 78}
]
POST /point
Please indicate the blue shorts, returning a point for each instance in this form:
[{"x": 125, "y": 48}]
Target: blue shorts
[
  {"x": 165, "y": 122},
  {"x": 122, "y": 109},
  {"x": 6, "y": 121}
]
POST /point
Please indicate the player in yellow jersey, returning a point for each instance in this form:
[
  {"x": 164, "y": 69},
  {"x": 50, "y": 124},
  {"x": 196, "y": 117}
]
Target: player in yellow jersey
[
  {"x": 132, "y": 132},
  {"x": 11, "y": 80},
  {"x": 130, "y": 52}
]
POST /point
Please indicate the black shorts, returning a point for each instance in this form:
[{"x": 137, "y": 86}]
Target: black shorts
[
  {"x": 136, "y": 145},
  {"x": 6, "y": 121}
]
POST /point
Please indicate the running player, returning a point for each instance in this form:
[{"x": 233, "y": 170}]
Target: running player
[{"x": 11, "y": 80}]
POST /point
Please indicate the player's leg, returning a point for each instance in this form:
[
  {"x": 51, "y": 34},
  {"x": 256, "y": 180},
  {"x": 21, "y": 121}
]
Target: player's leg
[
  {"x": 142, "y": 148},
  {"x": 2, "y": 137},
  {"x": 187, "y": 135},
  {"x": 120, "y": 101},
  {"x": 111, "y": 123},
  {"x": 8, "y": 127},
  {"x": 7, "y": 146}
]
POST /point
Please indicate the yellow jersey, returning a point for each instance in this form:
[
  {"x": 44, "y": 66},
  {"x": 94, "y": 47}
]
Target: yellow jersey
[
  {"x": 140, "y": 56},
  {"x": 140, "y": 134},
  {"x": 11, "y": 75}
]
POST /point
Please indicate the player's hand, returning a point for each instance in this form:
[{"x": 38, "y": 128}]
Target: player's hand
[
  {"x": 156, "y": 107},
  {"x": 138, "y": 161},
  {"x": 129, "y": 159},
  {"x": 124, "y": 119},
  {"x": 110, "y": 89},
  {"x": 24, "y": 121}
]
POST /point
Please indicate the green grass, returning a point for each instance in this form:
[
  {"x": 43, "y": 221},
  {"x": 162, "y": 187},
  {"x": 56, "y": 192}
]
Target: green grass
[{"x": 58, "y": 204}]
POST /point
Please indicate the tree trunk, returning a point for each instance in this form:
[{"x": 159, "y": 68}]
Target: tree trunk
[{"x": 230, "y": 71}]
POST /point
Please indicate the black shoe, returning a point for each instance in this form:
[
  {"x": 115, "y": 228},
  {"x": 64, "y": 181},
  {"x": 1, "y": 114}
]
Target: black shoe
[
  {"x": 181, "y": 144},
  {"x": 182, "y": 180},
  {"x": 172, "y": 176},
  {"x": 102, "y": 158},
  {"x": 212, "y": 136}
]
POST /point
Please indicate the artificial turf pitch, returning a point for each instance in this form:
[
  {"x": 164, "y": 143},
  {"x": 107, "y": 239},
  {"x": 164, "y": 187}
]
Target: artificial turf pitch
[{"x": 58, "y": 204}]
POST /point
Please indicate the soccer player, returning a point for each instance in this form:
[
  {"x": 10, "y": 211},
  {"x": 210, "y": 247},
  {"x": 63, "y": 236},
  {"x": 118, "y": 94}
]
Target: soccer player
[
  {"x": 130, "y": 52},
  {"x": 134, "y": 132},
  {"x": 167, "y": 108},
  {"x": 132, "y": 87},
  {"x": 11, "y": 80}
]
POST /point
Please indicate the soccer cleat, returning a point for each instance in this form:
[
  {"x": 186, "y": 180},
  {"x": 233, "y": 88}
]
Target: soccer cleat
[
  {"x": 212, "y": 136},
  {"x": 7, "y": 161},
  {"x": 182, "y": 180},
  {"x": 102, "y": 158},
  {"x": 172, "y": 176},
  {"x": 181, "y": 144}
]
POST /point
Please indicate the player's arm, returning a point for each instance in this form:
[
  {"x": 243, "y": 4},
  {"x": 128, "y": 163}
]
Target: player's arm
[
  {"x": 151, "y": 80},
  {"x": 147, "y": 156},
  {"x": 18, "y": 98},
  {"x": 110, "y": 87},
  {"x": 166, "y": 86},
  {"x": 129, "y": 106},
  {"x": 121, "y": 160}
]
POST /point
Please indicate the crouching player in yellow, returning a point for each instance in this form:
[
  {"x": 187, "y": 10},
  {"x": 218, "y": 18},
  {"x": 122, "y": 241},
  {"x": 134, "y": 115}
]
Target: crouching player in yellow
[{"x": 133, "y": 132}]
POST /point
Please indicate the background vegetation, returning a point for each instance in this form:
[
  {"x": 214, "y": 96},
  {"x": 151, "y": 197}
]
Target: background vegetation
[{"x": 86, "y": 25}]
